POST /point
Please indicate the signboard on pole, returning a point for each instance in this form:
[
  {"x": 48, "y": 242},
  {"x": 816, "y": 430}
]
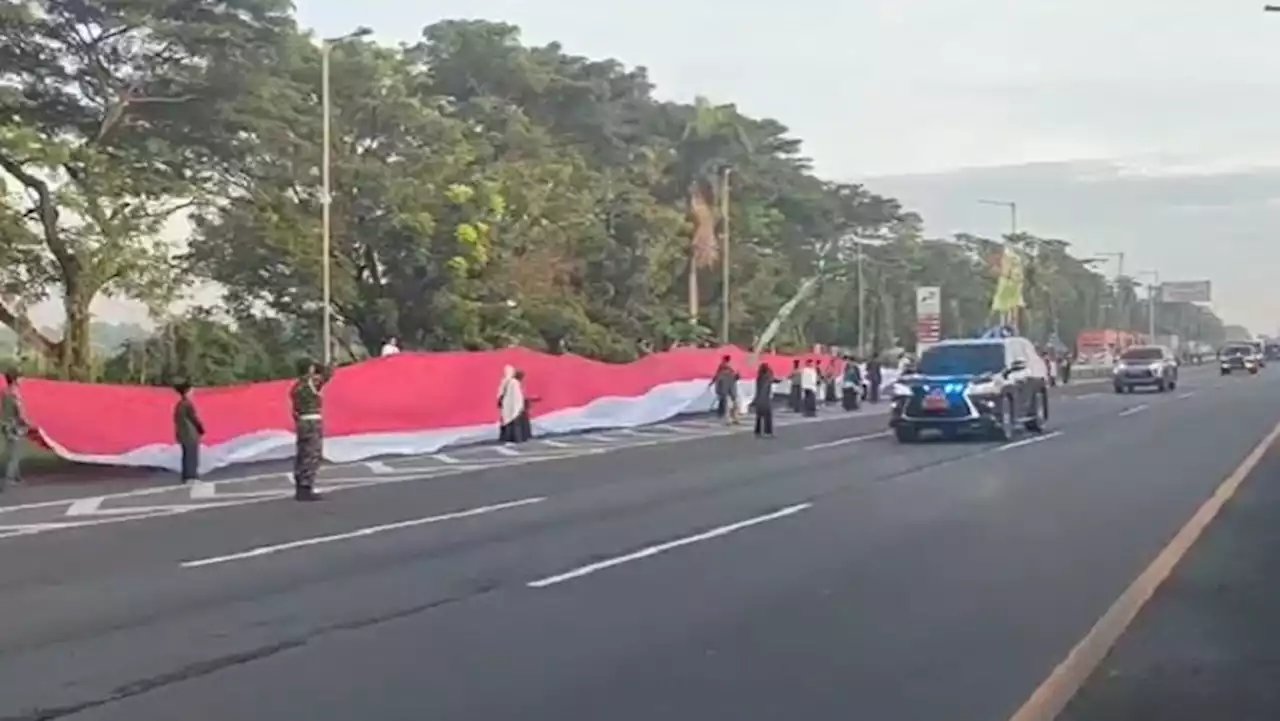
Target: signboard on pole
[
  {"x": 1186, "y": 291},
  {"x": 928, "y": 316}
]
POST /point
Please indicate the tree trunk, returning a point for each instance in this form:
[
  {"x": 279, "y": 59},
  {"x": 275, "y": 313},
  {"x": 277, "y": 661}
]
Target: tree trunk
[{"x": 77, "y": 347}]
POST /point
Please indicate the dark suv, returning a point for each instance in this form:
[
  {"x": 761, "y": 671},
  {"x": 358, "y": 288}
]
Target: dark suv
[
  {"x": 1238, "y": 357},
  {"x": 993, "y": 386},
  {"x": 1146, "y": 366}
]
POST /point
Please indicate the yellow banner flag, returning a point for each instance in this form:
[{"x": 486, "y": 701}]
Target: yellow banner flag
[{"x": 1009, "y": 288}]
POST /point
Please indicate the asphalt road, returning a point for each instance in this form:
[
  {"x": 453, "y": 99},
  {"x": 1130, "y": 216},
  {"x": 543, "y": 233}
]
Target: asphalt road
[{"x": 827, "y": 574}]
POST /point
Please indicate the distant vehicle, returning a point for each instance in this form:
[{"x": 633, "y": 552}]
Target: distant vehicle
[
  {"x": 993, "y": 386},
  {"x": 1270, "y": 351},
  {"x": 1238, "y": 357},
  {"x": 1145, "y": 366},
  {"x": 1259, "y": 352}
]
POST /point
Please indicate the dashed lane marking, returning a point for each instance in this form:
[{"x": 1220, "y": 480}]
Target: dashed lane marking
[
  {"x": 360, "y": 533},
  {"x": 668, "y": 546},
  {"x": 1029, "y": 441},
  {"x": 846, "y": 441},
  {"x": 1134, "y": 410}
]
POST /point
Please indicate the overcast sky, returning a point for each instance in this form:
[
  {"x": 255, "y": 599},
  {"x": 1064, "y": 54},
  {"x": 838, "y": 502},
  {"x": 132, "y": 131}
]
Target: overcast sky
[
  {"x": 1164, "y": 88},
  {"x": 893, "y": 86}
]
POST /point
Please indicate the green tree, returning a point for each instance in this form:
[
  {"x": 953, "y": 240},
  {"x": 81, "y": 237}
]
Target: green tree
[{"x": 111, "y": 113}]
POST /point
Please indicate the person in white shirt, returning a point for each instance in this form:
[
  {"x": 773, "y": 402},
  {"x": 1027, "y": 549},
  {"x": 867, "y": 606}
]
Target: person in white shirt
[
  {"x": 391, "y": 347},
  {"x": 809, "y": 387}
]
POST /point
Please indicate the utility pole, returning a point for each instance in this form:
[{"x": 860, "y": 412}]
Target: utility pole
[{"x": 725, "y": 172}]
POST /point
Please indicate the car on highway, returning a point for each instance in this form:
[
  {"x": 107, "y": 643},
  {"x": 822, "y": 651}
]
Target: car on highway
[
  {"x": 1145, "y": 366},
  {"x": 1259, "y": 353},
  {"x": 1238, "y": 357},
  {"x": 992, "y": 386}
]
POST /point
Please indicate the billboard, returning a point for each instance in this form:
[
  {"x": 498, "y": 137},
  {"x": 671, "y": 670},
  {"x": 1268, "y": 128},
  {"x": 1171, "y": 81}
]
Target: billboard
[
  {"x": 928, "y": 315},
  {"x": 928, "y": 300},
  {"x": 1186, "y": 291}
]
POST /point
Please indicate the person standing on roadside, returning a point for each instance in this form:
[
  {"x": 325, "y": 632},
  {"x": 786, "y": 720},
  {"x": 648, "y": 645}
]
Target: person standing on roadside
[
  {"x": 189, "y": 430},
  {"x": 796, "y": 394},
  {"x": 308, "y": 420},
  {"x": 13, "y": 427},
  {"x": 763, "y": 401},
  {"x": 524, "y": 422},
  {"x": 511, "y": 405},
  {"x": 874, "y": 378},
  {"x": 851, "y": 385},
  {"x": 725, "y": 383},
  {"x": 809, "y": 386}
]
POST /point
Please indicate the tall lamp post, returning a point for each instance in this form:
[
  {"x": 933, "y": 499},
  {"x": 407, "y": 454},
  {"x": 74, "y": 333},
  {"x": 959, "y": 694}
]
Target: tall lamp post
[
  {"x": 1152, "y": 290},
  {"x": 725, "y": 173},
  {"x": 1013, "y": 230},
  {"x": 326, "y": 199},
  {"x": 1119, "y": 256}
]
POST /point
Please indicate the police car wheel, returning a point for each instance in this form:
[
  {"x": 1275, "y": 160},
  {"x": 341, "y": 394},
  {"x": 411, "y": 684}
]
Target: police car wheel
[{"x": 907, "y": 434}]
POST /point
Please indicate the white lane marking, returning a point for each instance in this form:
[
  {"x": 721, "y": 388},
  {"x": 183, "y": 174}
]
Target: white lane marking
[
  {"x": 850, "y": 439},
  {"x": 379, "y": 467},
  {"x": 557, "y": 444},
  {"x": 445, "y": 458},
  {"x": 669, "y": 545},
  {"x": 1083, "y": 396},
  {"x": 85, "y": 506},
  {"x": 601, "y": 438},
  {"x": 506, "y": 450},
  {"x": 1184, "y": 396},
  {"x": 360, "y": 533},
  {"x": 1029, "y": 441},
  {"x": 203, "y": 490},
  {"x": 1134, "y": 410}
]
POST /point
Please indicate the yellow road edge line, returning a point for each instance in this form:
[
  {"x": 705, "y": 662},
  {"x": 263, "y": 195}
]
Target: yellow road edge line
[{"x": 1055, "y": 692}]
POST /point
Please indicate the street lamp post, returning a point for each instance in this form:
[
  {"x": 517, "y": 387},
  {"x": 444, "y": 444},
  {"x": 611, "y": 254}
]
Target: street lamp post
[
  {"x": 1152, "y": 289},
  {"x": 725, "y": 172},
  {"x": 1119, "y": 256},
  {"x": 326, "y": 198}
]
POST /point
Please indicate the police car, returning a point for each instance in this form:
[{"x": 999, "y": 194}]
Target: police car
[{"x": 992, "y": 386}]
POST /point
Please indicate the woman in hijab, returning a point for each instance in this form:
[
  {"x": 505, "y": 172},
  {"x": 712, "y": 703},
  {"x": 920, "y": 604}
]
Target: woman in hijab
[
  {"x": 524, "y": 422},
  {"x": 510, "y": 406},
  {"x": 763, "y": 402}
]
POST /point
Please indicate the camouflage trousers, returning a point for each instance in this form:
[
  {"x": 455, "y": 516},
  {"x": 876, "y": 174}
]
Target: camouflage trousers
[
  {"x": 10, "y": 457},
  {"x": 309, "y": 454}
]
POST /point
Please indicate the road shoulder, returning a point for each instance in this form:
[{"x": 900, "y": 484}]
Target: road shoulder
[{"x": 1205, "y": 647}]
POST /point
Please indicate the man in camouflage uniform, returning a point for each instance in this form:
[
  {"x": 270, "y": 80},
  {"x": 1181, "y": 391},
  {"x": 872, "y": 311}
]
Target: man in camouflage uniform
[
  {"x": 13, "y": 428},
  {"x": 307, "y": 399}
]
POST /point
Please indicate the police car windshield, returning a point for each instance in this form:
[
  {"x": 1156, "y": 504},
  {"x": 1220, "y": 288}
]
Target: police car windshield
[{"x": 958, "y": 360}]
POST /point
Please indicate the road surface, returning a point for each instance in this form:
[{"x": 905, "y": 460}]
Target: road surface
[{"x": 680, "y": 574}]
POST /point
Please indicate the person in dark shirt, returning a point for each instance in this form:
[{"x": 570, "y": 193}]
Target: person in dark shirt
[
  {"x": 725, "y": 382},
  {"x": 188, "y": 430},
  {"x": 307, "y": 399},
  {"x": 851, "y": 385},
  {"x": 763, "y": 401},
  {"x": 796, "y": 395}
]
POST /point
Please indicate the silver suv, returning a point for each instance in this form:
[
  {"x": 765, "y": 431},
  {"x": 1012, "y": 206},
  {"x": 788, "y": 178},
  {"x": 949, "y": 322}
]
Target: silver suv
[{"x": 1150, "y": 366}]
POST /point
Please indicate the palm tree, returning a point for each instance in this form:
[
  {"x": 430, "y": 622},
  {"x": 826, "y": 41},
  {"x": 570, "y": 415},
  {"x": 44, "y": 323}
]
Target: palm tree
[{"x": 712, "y": 136}]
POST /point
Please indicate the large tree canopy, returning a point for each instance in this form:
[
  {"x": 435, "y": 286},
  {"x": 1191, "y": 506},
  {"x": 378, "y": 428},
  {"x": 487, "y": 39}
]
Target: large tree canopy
[{"x": 484, "y": 193}]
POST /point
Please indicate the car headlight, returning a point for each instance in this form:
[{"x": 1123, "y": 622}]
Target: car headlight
[
  {"x": 1156, "y": 367},
  {"x": 900, "y": 390},
  {"x": 987, "y": 388}
]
